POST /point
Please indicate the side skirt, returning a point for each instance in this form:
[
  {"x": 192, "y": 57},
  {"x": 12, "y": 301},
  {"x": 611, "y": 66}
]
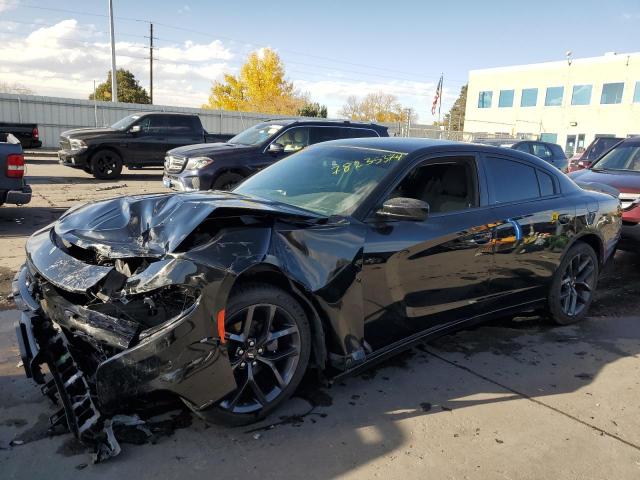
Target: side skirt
[{"x": 435, "y": 332}]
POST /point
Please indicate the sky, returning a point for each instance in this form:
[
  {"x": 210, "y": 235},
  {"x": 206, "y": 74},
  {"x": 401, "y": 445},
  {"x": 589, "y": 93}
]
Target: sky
[{"x": 330, "y": 49}]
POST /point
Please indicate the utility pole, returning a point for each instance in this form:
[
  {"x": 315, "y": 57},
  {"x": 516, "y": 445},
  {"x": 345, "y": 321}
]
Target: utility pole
[
  {"x": 114, "y": 77},
  {"x": 151, "y": 63}
]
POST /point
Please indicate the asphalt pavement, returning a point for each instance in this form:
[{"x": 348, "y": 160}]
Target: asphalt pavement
[{"x": 516, "y": 398}]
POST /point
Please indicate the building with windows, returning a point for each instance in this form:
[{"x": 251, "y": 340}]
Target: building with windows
[{"x": 569, "y": 102}]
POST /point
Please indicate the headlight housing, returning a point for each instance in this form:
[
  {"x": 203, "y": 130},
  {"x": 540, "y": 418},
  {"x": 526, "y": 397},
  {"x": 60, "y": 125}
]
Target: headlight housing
[
  {"x": 196, "y": 163},
  {"x": 77, "y": 144}
]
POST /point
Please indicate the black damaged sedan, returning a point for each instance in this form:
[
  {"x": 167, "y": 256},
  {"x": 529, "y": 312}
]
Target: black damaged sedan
[{"x": 332, "y": 259}]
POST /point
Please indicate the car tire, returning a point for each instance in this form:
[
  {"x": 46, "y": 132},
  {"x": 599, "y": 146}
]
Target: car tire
[
  {"x": 573, "y": 285},
  {"x": 280, "y": 357},
  {"x": 106, "y": 165},
  {"x": 227, "y": 181}
]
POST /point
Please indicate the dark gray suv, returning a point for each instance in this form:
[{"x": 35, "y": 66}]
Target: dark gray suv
[
  {"x": 221, "y": 166},
  {"x": 549, "y": 152}
]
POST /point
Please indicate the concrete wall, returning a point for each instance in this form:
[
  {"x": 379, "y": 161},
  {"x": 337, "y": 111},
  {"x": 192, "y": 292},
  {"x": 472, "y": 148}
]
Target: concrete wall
[
  {"x": 55, "y": 115},
  {"x": 621, "y": 119}
]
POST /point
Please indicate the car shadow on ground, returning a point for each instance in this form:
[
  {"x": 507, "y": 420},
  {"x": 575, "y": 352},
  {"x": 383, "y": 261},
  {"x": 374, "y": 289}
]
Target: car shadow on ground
[
  {"x": 88, "y": 179},
  {"x": 25, "y": 220},
  {"x": 361, "y": 419}
]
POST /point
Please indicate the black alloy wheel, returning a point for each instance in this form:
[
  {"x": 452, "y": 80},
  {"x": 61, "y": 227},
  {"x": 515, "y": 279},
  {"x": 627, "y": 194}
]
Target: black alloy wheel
[
  {"x": 268, "y": 342},
  {"x": 106, "y": 165},
  {"x": 574, "y": 285}
]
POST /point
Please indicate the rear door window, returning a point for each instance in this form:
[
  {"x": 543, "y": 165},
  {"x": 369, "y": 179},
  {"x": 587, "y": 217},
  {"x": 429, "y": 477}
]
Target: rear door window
[
  {"x": 547, "y": 187},
  {"x": 511, "y": 181},
  {"x": 359, "y": 132},
  {"x": 324, "y": 134},
  {"x": 181, "y": 125}
]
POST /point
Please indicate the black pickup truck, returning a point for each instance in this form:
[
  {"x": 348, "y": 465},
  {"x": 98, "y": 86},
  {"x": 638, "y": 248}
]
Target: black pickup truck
[
  {"x": 26, "y": 133},
  {"x": 136, "y": 141},
  {"x": 13, "y": 188}
]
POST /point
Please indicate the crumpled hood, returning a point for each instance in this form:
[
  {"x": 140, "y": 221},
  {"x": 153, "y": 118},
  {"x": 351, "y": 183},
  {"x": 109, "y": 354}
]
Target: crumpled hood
[
  {"x": 209, "y": 149},
  {"x": 152, "y": 225}
]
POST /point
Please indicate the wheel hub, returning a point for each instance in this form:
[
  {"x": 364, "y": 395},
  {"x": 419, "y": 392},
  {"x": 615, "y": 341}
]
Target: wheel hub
[{"x": 249, "y": 351}]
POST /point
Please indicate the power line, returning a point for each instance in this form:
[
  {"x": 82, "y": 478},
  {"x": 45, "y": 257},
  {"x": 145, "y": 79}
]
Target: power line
[{"x": 217, "y": 37}]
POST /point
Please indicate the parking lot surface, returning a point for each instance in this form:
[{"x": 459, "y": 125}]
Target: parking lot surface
[{"x": 515, "y": 398}]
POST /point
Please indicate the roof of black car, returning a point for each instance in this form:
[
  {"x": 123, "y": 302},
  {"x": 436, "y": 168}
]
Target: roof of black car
[
  {"x": 632, "y": 140},
  {"x": 404, "y": 144},
  {"x": 166, "y": 113},
  {"x": 320, "y": 121},
  {"x": 423, "y": 145}
]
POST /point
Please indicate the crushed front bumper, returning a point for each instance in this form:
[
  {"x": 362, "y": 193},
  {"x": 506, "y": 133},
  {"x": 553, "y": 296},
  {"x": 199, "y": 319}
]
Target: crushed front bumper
[{"x": 180, "y": 357}]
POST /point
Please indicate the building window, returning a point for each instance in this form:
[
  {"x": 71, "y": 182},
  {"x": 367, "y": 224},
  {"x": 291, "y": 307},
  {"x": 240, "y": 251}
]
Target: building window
[
  {"x": 554, "y": 97},
  {"x": 611, "y": 93},
  {"x": 549, "y": 137},
  {"x": 636, "y": 93},
  {"x": 506, "y": 98},
  {"x": 484, "y": 99},
  {"x": 529, "y": 97},
  {"x": 581, "y": 95}
]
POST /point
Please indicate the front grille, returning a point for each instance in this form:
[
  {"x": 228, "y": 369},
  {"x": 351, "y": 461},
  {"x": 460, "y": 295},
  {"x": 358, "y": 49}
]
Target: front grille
[
  {"x": 65, "y": 144},
  {"x": 174, "y": 164},
  {"x": 626, "y": 199}
]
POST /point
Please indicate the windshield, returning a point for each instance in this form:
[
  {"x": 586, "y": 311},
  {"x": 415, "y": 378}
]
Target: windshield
[
  {"x": 623, "y": 157},
  {"x": 329, "y": 180},
  {"x": 125, "y": 122},
  {"x": 256, "y": 134}
]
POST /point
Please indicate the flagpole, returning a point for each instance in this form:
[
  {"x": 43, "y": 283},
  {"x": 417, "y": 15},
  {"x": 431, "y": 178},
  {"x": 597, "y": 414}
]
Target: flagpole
[{"x": 440, "y": 104}]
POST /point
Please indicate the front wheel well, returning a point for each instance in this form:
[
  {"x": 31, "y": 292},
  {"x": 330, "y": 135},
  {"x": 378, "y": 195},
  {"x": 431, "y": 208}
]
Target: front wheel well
[
  {"x": 107, "y": 148},
  {"x": 272, "y": 276}
]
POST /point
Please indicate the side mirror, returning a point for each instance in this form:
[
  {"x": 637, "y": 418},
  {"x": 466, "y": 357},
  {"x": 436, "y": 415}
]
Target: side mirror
[
  {"x": 275, "y": 149},
  {"x": 402, "y": 208},
  {"x": 135, "y": 129}
]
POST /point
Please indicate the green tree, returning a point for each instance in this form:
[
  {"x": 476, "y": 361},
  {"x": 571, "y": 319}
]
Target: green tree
[
  {"x": 313, "y": 110},
  {"x": 129, "y": 89},
  {"x": 454, "y": 120},
  {"x": 261, "y": 86}
]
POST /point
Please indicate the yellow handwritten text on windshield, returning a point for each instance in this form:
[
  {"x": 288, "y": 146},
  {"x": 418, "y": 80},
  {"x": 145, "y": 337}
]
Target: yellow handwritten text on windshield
[{"x": 349, "y": 167}]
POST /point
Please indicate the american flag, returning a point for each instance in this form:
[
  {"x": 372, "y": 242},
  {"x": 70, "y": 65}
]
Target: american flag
[{"x": 436, "y": 98}]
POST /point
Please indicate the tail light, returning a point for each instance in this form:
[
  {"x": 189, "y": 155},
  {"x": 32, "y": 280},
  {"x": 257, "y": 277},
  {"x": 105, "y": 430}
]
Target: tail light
[
  {"x": 34, "y": 133},
  {"x": 15, "y": 165}
]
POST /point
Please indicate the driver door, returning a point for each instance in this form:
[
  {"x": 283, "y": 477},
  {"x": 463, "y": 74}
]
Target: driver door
[
  {"x": 419, "y": 275},
  {"x": 150, "y": 144}
]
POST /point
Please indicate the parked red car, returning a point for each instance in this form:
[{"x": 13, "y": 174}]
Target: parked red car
[
  {"x": 620, "y": 168},
  {"x": 595, "y": 149}
]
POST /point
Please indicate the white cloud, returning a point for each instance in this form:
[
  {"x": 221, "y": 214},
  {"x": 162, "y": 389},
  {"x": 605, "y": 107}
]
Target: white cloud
[
  {"x": 8, "y": 5},
  {"x": 64, "y": 59}
]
